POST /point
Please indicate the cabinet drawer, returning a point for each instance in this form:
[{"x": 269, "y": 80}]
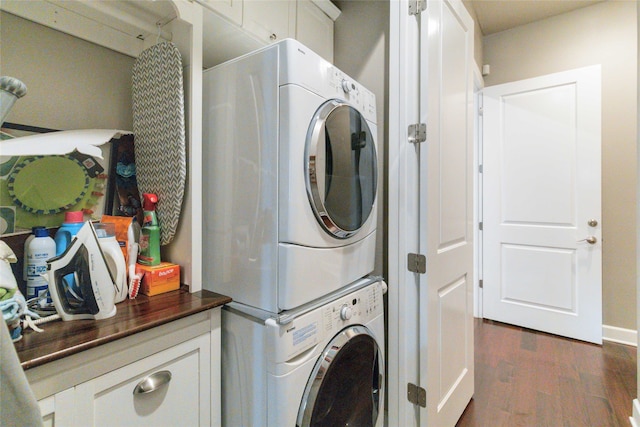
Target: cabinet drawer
[{"x": 182, "y": 399}]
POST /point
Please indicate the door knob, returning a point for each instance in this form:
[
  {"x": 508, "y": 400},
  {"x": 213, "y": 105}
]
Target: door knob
[
  {"x": 592, "y": 222},
  {"x": 592, "y": 240}
]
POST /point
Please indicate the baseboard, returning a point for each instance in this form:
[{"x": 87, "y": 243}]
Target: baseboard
[
  {"x": 620, "y": 335},
  {"x": 635, "y": 418}
]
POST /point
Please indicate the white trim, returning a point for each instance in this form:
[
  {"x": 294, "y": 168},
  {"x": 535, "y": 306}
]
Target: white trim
[
  {"x": 478, "y": 85},
  {"x": 403, "y": 351},
  {"x": 635, "y": 419},
  {"x": 620, "y": 335},
  {"x": 330, "y": 9}
]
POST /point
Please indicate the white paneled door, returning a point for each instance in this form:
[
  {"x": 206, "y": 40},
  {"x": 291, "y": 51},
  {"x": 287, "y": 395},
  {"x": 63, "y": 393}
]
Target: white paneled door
[
  {"x": 430, "y": 213},
  {"x": 542, "y": 239},
  {"x": 446, "y": 212}
]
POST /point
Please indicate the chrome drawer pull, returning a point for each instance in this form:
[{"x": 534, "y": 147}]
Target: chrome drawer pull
[{"x": 153, "y": 382}]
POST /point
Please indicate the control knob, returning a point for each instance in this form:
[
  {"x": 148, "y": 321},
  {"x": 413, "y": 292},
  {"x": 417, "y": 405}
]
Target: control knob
[
  {"x": 346, "y": 312},
  {"x": 348, "y": 86}
]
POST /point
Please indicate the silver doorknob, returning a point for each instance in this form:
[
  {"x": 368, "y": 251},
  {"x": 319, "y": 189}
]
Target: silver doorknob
[
  {"x": 592, "y": 222},
  {"x": 592, "y": 240}
]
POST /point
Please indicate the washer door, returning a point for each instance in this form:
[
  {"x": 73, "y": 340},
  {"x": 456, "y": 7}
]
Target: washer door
[
  {"x": 340, "y": 168},
  {"x": 346, "y": 385}
]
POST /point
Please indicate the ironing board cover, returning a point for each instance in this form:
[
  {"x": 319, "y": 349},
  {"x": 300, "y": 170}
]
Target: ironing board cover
[{"x": 158, "y": 126}]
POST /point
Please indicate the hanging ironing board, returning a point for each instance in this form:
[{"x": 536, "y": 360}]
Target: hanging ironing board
[{"x": 158, "y": 126}]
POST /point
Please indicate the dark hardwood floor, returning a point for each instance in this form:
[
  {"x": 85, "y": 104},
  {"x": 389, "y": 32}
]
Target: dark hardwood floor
[{"x": 529, "y": 378}]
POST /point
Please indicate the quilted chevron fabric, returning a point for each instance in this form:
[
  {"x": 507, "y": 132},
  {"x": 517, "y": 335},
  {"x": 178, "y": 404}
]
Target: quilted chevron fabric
[{"x": 158, "y": 125}]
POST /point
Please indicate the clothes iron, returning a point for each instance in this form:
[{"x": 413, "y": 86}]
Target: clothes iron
[{"x": 92, "y": 295}]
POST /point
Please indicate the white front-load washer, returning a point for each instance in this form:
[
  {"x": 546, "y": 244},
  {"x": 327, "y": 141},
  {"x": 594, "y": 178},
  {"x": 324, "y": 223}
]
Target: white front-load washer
[
  {"x": 325, "y": 367},
  {"x": 289, "y": 178}
]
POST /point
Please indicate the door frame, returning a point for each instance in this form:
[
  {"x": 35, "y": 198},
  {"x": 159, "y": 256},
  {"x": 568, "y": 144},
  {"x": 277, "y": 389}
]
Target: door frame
[
  {"x": 403, "y": 351},
  {"x": 478, "y": 85},
  {"x": 403, "y": 360}
]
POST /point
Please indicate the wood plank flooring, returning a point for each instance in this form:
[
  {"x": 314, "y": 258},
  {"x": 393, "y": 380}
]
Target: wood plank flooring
[{"x": 529, "y": 378}]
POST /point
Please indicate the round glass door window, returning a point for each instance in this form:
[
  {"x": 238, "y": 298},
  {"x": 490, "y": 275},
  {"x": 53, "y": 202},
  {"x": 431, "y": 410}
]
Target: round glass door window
[
  {"x": 341, "y": 168},
  {"x": 345, "y": 387}
]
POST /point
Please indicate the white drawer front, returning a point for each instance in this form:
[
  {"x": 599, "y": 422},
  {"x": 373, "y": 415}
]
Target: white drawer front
[{"x": 109, "y": 400}]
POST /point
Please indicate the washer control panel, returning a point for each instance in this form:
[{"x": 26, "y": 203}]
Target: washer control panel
[
  {"x": 359, "y": 307},
  {"x": 356, "y": 308}
]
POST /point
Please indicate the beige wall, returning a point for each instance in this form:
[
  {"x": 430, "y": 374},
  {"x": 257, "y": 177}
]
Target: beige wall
[
  {"x": 360, "y": 50},
  {"x": 71, "y": 83},
  {"x": 605, "y": 34}
]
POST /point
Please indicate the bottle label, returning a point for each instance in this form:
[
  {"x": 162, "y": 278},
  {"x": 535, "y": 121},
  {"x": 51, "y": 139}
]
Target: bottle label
[
  {"x": 144, "y": 242},
  {"x": 36, "y": 291},
  {"x": 147, "y": 220},
  {"x": 36, "y": 270}
]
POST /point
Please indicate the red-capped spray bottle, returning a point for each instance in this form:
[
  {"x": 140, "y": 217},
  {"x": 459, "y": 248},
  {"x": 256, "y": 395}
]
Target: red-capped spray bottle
[{"x": 150, "y": 233}]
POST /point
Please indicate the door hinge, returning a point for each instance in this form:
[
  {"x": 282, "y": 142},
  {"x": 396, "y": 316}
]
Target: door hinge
[
  {"x": 417, "y": 263},
  {"x": 480, "y": 284},
  {"x": 480, "y": 169},
  {"x": 417, "y": 395},
  {"x": 480, "y": 226},
  {"x": 417, "y": 133},
  {"x": 480, "y": 111},
  {"x": 417, "y": 6}
]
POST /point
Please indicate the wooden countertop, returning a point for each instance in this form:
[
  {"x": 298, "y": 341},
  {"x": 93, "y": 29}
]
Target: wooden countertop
[{"x": 61, "y": 339}]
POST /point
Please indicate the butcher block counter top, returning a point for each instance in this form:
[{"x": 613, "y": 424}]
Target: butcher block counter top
[{"x": 61, "y": 339}]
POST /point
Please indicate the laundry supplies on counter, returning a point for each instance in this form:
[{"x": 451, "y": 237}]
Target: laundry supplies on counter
[
  {"x": 159, "y": 279},
  {"x": 106, "y": 232},
  {"x": 73, "y": 222},
  {"x": 26, "y": 250},
  {"x": 150, "y": 234},
  {"x": 127, "y": 234},
  {"x": 41, "y": 248}
]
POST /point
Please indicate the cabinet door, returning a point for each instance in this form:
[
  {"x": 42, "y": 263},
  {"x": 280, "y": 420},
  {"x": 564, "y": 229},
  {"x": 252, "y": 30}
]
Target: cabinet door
[
  {"x": 314, "y": 29},
  {"x": 270, "y": 20},
  {"x": 230, "y": 9},
  {"x": 57, "y": 410},
  {"x": 169, "y": 388}
]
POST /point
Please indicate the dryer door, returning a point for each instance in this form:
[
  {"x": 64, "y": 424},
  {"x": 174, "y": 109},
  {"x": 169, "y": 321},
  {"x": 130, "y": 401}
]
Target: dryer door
[
  {"x": 346, "y": 385},
  {"x": 340, "y": 168}
]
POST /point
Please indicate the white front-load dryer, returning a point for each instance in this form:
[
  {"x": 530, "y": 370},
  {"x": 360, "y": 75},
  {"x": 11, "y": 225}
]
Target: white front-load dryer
[
  {"x": 290, "y": 178},
  {"x": 325, "y": 367}
]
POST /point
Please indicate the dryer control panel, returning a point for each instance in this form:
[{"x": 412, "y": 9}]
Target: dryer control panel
[{"x": 348, "y": 89}]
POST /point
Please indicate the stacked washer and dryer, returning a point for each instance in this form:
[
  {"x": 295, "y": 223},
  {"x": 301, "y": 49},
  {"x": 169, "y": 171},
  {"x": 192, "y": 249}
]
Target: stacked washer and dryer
[{"x": 290, "y": 186}]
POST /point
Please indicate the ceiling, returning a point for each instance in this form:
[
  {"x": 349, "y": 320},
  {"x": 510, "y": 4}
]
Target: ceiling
[{"x": 495, "y": 16}]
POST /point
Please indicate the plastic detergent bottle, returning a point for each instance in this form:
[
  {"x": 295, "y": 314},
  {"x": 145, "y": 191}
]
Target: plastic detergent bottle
[
  {"x": 40, "y": 249},
  {"x": 150, "y": 233},
  {"x": 106, "y": 232},
  {"x": 73, "y": 222},
  {"x": 26, "y": 250}
]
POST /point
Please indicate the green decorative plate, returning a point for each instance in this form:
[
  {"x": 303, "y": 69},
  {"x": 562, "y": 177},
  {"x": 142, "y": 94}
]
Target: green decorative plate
[{"x": 48, "y": 185}]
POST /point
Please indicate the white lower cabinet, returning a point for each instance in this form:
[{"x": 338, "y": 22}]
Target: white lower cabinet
[
  {"x": 57, "y": 410},
  {"x": 166, "y": 376},
  {"x": 167, "y": 389}
]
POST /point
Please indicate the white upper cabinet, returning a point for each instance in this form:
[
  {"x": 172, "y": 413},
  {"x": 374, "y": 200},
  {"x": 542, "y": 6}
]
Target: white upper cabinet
[
  {"x": 231, "y": 9},
  {"x": 314, "y": 28},
  {"x": 269, "y": 20},
  {"x": 234, "y": 27}
]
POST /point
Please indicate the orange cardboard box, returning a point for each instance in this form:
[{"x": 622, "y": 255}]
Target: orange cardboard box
[{"x": 158, "y": 279}]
